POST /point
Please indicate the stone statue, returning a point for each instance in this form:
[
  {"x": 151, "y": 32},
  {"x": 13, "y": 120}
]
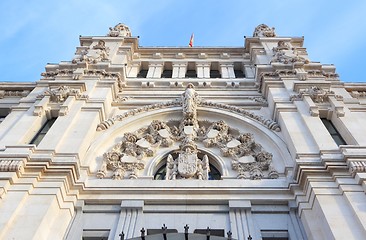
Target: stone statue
[
  {"x": 263, "y": 30},
  {"x": 120, "y": 30},
  {"x": 189, "y": 101}
]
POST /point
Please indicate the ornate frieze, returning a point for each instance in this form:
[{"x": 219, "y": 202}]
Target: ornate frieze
[
  {"x": 120, "y": 30},
  {"x": 263, "y": 30},
  {"x": 61, "y": 93}
]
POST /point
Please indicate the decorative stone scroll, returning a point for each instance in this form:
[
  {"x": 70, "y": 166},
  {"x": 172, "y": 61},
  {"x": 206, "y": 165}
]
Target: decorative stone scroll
[
  {"x": 61, "y": 93},
  {"x": 357, "y": 166},
  {"x": 263, "y": 30},
  {"x": 11, "y": 165},
  {"x": 126, "y": 158},
  {"x": 120, "y": 30}
]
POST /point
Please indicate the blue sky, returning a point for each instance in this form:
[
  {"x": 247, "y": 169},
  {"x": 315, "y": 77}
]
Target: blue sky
[{"x": 34, "y": 33}]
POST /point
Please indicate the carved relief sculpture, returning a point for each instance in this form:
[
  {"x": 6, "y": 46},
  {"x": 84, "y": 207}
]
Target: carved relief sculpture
[
  {"x": 248, "y": 158},
  {"x": 283, "y": 53}
]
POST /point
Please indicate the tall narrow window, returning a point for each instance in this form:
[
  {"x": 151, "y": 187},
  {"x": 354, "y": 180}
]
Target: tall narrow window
[
  {"x": 40, "y": 135},
  {"x": 3, "y": 113},
  {"x": 333, "y": 132}
]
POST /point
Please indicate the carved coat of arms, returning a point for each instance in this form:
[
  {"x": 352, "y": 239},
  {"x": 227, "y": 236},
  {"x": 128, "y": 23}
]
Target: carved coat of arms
[{"x": 187, "y": 164}]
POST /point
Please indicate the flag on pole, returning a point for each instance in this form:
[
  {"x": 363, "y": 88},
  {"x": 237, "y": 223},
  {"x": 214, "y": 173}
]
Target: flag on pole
[{"x": 191, "y": 41}]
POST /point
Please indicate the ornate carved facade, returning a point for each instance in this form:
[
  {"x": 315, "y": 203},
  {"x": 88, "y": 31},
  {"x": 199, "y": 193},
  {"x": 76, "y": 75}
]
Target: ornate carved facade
[{"x": 253, "y": 142}]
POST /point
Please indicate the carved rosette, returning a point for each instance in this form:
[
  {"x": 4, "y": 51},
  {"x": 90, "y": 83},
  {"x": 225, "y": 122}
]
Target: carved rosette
[
  {"x": 11, "y": 165},
  {"x": 263, "y": 30}
]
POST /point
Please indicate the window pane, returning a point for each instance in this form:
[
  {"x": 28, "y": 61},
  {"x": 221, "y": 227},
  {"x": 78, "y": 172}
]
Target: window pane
[
  {"x": 191, "y": 74},
  {"x": 239, "y": 74},
  {"x": 40, "y": 135}
]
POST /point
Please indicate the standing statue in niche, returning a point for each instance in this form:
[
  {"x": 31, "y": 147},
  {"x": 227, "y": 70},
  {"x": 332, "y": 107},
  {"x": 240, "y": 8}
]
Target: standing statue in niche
[{"x": 190, "y": 101}]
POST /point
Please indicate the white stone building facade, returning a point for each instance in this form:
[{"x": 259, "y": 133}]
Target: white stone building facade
[{"x": 254, "y": 142}]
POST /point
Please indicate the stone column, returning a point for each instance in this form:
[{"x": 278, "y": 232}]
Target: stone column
[
  {"x": 203, "y": 69},
  {"x": 227, "y": 70},
  {"x": 179, "y": 70},
  {"x": 155, "y": 70},
  {"x": 134, "y": 69}
]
